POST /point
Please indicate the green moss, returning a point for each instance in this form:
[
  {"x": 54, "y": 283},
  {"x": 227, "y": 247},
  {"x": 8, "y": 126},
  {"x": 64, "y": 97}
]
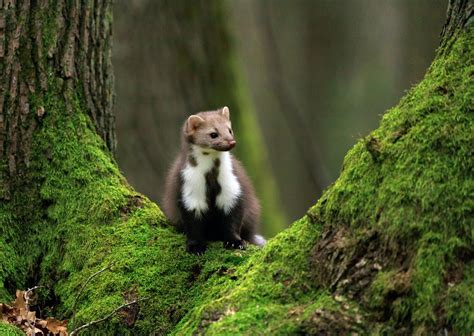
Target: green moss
[
  {"x": 49, "y": 25},
  {"x": 411, "y": 180},
  {"x": 12, "y": 269},
  {"x": 273, "y": 283},
  {"x": 9, "y": 330},
  {"x": 459, "y": 302}
]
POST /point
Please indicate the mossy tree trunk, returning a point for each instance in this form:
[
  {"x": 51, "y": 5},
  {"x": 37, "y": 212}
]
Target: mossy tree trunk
[
  {"x": 53, "y": 56},
  {"x": 388, "y": 248},
  {"x": 42, "y": 41}
]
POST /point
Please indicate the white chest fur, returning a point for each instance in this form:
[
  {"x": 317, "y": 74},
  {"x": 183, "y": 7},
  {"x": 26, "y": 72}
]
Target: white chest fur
[{"x": 194, "y": 182}]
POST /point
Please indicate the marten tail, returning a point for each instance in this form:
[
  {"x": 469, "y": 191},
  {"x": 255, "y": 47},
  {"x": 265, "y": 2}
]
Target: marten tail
[
  {"x": 248, "y": 234},
  {"x": 257, "y": 240}
]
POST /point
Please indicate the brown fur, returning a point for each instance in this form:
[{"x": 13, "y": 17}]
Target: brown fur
[
  {"x": 251, "y": 205},
  {"x": 196, "y": 130},
  {"x": 198, "y": 127}
]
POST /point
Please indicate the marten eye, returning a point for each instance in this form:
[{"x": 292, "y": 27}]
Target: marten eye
[
  {"x": 230, "y": 131},
  {"x": 213, "y": 135}
]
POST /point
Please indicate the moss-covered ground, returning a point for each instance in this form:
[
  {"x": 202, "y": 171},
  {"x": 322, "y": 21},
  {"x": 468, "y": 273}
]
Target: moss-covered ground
[
  {"x": 404, "y": 198},
  {"x": 9, "y": 330}
]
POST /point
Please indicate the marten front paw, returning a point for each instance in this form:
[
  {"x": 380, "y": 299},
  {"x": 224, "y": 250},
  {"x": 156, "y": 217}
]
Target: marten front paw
[
  {"x": 235, "y": 244},
  {"x": 195, "y": 247}
]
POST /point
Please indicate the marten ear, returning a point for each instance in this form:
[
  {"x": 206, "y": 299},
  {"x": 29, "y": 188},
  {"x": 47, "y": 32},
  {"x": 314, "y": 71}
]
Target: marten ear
[
  {"x": 225, "y": 112},
  {"x": 193, "y": 123}
]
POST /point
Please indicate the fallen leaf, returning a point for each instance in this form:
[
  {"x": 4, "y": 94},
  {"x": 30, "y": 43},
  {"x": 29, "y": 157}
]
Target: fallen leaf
[
  {"x": 26, "y": 320},
  {"x": 42, "y": 323},
  {"x": 56, "y": 326},
  {"x": 20, "y": 300},
  {"x": 31, "y": 316},
  {"x": 23, "y": 313},
  {"x": 33, "y": 331}
]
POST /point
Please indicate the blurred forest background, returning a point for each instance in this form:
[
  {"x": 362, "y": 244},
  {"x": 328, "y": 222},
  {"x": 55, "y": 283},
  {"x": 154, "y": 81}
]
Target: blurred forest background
[{"x": 303, "y": 80}]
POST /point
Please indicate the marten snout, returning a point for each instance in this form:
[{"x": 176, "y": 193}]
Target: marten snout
[{"x": 225, "y": 145}]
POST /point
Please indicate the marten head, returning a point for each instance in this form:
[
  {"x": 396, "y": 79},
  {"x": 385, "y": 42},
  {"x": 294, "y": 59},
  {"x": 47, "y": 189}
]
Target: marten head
[{"x": 210, "y": 130}]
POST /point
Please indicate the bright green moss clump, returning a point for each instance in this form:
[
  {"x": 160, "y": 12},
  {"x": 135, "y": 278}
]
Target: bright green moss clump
[
  {"x": 9, "y": 330},
  {"x": 268, "y": 293}
]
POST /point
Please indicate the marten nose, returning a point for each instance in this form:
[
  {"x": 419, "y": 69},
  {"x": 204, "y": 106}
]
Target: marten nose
[{"x": 232, "y": 143}]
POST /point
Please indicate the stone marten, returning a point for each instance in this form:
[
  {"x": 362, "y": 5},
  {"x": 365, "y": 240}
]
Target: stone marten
[{"x": 208, "y": 195}]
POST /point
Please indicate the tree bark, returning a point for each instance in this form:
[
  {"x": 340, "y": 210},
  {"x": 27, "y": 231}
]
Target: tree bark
[
  {"x": 387, "y": 249},
  {"x": 55, "y": 64},
  {"x": 43, "y": 41},
  {"x": 458, "y": 14}
]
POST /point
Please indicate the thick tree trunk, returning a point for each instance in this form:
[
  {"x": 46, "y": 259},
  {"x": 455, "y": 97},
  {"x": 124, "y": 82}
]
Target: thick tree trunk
[
  {"x": 55, "y": 73},
  {"x": 42, "y": 42},
  {"x": 387, "y": 249},
  {"x": 52, "y": 55}
]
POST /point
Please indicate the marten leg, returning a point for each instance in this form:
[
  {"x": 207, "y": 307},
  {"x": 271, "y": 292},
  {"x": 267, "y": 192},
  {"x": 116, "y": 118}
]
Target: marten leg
[
  {"x": 232, "y": 227},
  {"x": 194, "y": 227}
]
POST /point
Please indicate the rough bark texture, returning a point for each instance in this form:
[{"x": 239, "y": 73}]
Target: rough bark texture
[
  {"x": 40, "y": 40},
  {"x": 55, "y": 61},
  {"x": 458, "y": 14},
  {"x": 387, "y": 249}
]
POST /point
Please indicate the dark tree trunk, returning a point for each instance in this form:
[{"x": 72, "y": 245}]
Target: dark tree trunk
[
  {"x": 458, "y": 14},
  {"x": 55, "y": 64},
  {"x": 43, "y": 41}
]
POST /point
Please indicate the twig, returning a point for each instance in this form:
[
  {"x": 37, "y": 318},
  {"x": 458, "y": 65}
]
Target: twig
[
  {"x": 27, "y": 293},
  {"x": 87, "y": 325},
  {"x": 26, "y": 296},
  {"x": 86, "y": 283}
]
